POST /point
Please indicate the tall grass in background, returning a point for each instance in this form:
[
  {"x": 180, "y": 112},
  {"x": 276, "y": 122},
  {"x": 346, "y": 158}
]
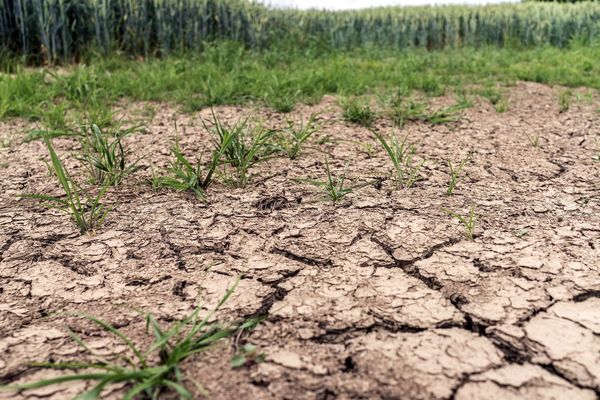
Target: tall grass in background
[{"x": 51, "y": 31}]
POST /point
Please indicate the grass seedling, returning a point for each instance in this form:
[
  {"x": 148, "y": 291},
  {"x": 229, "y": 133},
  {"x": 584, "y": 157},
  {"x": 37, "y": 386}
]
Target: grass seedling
[
  {"x": 334, "y": 187},
  {"x": 413, "y": 111},
  {"x": 150, "y": 373},
  {"x": 463, "y": 100},
  {"x": 357, "y": 111},
  {"x": 496, "y": 98},
  {"x": 293, "y": 136},
  {"x": 247, "y": 354},
  {"x": 401, "y": 153},
  {"x": 185, "y": 176},
  {"x": 502, "y": 105},
  {"x": 468, "y": 221},
  {"x": 402, "y": 112},
  {"x": 104, "y": 160},
  {"x": 534, "y": 140},
  {"x": 87, "y": 210},
  {"x": 564, "y": 101},
  {"x": 245, "y": 146},
  {"x": 455, "y": 174},
  {"x": 366, "y": 148}
]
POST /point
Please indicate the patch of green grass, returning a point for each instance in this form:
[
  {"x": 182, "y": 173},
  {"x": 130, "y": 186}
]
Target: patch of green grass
[
  {"x": 502, "y": 105},
  {"x": 468, "y": 221},
  {"x": 534, "y": 140},
  {"x": 227, "y": 73},
  {"x": 415, "y": 111},
  {"x": 248, "y": 145},
  {"x": 5, "y": 141},
  {"x": 357, "y": 111},
  {"x": 455, "y": 171},
  {"x": 565, "y": 99},
  {"x": 183, "y": 175},
  {"x": 407, "y": 171},
  {"x": 155, "y": 371},
  {"x": 55, "y": 117},
  {"x": 86, "y": 209},
  {"x": 334, "y": 186},
  {"x": 105, "y": 160},
  {"x": 495, "y": 96},
  {"x": 247, "y": 354},
  {"x": 463, "y": 101},
  {"x": 294, "y": 135}
]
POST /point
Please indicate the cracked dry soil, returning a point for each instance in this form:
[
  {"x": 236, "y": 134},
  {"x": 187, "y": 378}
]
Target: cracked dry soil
[{"x": 378, "y": 296}]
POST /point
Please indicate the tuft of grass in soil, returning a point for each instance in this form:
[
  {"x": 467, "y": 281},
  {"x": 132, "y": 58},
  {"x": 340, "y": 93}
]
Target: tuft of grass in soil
[
  {"x": 565, "y": 99},
  {"x": 293, "y": 136},
  {"x": 357, "y": 111},
  {"x": 334, "y": 187},
  {"x": 534, "y": 140},
  {"x": 413, "y": 111},
  {"x": 184, "y": 176},
  {"x": 495, "y": 96},
  {"x": 468, "y": 221},
  {"x": 455, "y": 171},
  {"x": 86, "y": 209},
  {"x": 247, "y": 146},
  {"x": 155, "y": 371},
  {"x": 407, "y": 171},
  {"x": 104, "y": 160}
]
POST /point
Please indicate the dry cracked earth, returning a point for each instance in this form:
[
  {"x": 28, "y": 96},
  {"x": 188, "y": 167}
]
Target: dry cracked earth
[{"x": 377, "y": 297}]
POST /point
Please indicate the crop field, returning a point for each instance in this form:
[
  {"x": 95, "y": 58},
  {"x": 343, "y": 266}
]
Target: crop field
[{"x": 269, "y": 204}]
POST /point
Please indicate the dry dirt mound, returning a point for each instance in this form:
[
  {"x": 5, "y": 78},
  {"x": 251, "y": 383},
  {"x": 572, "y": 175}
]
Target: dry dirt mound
[{"x": 379, "y": 296}]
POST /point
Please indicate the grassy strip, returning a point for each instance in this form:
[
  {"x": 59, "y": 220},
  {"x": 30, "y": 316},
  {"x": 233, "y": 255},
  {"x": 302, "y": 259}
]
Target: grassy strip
[{"x": 227, "y": 74}]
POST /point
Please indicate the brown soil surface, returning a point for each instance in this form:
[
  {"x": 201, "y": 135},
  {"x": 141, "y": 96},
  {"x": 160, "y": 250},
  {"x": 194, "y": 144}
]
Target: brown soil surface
[{"x": 378, "y": 296}]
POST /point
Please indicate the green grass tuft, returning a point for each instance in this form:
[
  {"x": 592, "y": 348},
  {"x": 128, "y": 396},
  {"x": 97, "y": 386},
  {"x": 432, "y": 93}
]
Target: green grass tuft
[
  {"x": 86, "y": 209},
  {"x": 155, "y": 371}
]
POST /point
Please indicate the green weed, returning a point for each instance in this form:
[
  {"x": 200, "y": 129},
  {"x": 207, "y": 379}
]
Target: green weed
[
  {"x": 495, "y": 96},
  {"x": 246, "y": 147},
  {"x": 534, "y": 140},
  {"x": 153, "y": 372},
  {"x": 86, "y": 210},
  {"x": 334, "y": 187},
  {"x": 463, "y": 100},
  {"x": 185, "y": 176},
  {"x": 247, "y": 354},
  {"x": 104, "y": 160},
  {"x": 55, "y": 118},
  {"x": 414, "y": 111},
  {"x": 294, "y": 135},
  {"x": 455, "y": 171},
  {"x": 564, "y": 100},
  {"x": 5, "y": 141},
  {"x": 406, "y": 168},
  {"x": 357, "y": 111},
  {"x": 502, "y": 105},
  {"x": 468, "y": 221}
]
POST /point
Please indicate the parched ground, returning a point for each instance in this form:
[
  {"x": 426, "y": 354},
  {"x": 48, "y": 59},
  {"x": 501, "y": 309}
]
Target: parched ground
[{"x": 378, "y": 296}]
